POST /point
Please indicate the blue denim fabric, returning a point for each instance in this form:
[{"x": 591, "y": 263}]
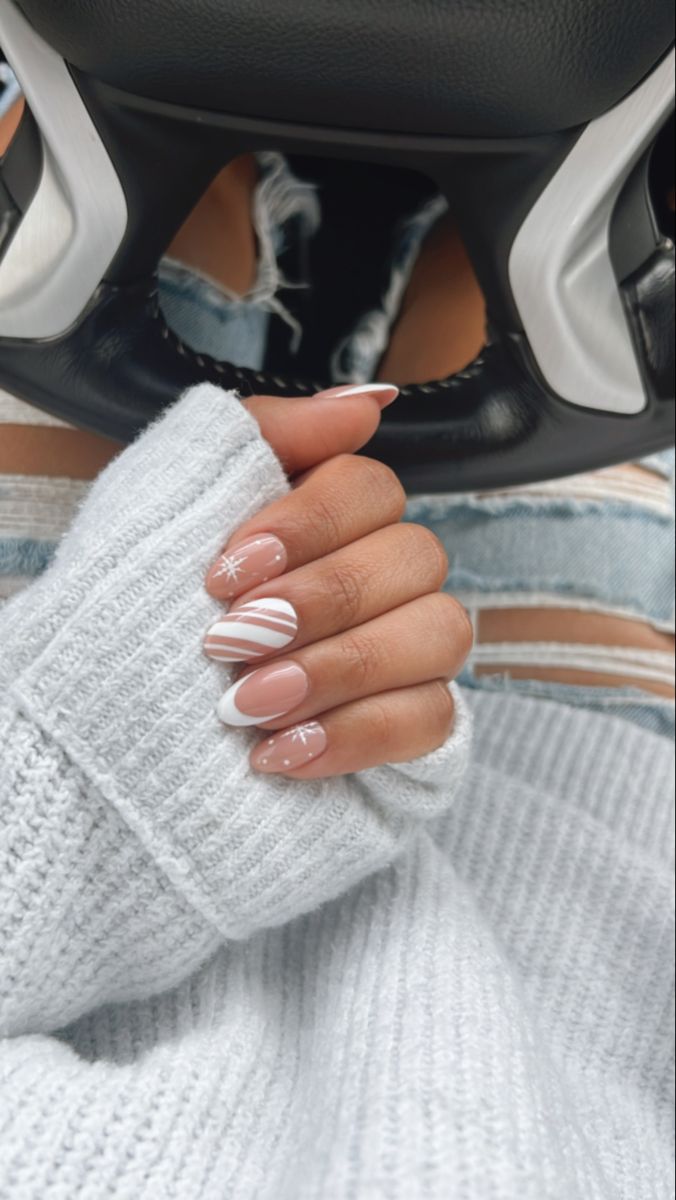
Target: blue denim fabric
[
  {"x": 232, "y": 327},
  {"x": 9, "y": 89},
  {"x": 607, "y": 552},
  {"x": 27, "y": 557},
  {"x": 210, "y": 321}
]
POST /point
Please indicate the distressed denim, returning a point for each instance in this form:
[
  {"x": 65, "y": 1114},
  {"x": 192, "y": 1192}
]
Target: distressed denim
[
  {"x": 9, "y": 89},
  {"x": 605, "y": 555},
  {"x": 235, "y": 328}
]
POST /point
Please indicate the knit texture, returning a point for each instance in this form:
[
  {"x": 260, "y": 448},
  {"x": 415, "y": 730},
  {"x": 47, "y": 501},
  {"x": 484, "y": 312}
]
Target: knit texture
[{"x": 433, "y": 980}]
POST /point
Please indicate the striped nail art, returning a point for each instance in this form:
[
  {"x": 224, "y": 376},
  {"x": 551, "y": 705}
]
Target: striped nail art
[{"x": 252, "y": 631}]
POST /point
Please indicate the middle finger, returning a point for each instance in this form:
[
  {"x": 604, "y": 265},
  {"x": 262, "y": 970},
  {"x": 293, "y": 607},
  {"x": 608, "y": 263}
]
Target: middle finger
[
  {"x": 352, "y": 586},
  {"x": 374, "y": 575}
]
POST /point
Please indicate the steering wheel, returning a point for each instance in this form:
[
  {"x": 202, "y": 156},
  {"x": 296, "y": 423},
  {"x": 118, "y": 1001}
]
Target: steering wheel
[{"x": 541, "y": 133}]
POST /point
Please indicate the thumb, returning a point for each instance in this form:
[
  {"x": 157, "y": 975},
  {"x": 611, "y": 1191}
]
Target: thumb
[{"x": 306, "y": 432}]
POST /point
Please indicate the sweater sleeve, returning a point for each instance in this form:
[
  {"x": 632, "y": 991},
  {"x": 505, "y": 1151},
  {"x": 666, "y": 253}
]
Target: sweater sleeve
[{"x": 135, "y": 836}]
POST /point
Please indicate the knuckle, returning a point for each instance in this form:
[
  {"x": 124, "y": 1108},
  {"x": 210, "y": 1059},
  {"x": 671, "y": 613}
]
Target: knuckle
[
  {"x": 345, "y": 586},
  {"x": 385, "y": 484},
  {"x": 325, "y": 516},
  {"x": 361, "y": 659},
  {"x": 343, "y": 486},
  {"x": 341, "y": 475},
  {"x": 429, "y": 552},
  {"x": 340, "y": 469}
]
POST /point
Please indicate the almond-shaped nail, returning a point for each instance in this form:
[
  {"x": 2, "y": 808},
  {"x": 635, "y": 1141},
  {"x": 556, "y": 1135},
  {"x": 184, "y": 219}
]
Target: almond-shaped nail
[
  {"x": 291, "y": 749},
  {"x": 238, "y": 570},
  {"x": 252, "y": 630},
  {"x": 384, "y": 393},
  {"x": 264, "y": 695}
]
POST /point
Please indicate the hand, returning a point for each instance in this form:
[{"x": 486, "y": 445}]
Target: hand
[{"x": 357, "y": 640}]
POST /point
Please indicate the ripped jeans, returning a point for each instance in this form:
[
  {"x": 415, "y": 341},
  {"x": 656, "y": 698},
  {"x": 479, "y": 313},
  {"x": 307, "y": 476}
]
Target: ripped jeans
[{"x": 594, "y": 543}]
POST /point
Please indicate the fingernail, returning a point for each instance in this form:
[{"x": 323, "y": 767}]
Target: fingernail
[
  {"x": 291, "y": 749},
  {"x": 265, "y": 695},
  {"x": 255, "y": 561},
  {"x": 252, "y": 630},
  {"x": 384, "y": 393}
]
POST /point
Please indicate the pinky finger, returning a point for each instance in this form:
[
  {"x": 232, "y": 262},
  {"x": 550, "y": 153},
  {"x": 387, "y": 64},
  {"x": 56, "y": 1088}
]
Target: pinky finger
[{"x": 391, "y": 727}]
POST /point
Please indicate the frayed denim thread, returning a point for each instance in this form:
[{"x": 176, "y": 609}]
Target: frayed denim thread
[{"x": 235, "y": 328}]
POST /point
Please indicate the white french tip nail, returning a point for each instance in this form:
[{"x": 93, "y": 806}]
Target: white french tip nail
[
  {"x": 370, "y": 389},
  {"x": 360, "y": 389},
  {"x": 229, "y": 713}
]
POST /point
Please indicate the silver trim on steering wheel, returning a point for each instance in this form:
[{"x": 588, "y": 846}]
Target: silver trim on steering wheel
[
  {"x": 77, "y": 219},
  {"x": 560, "y": 267}
]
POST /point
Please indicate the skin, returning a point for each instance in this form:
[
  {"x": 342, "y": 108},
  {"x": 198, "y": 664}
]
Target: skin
[
  {"x": 443, "y": 294},
  {"x": 366, "y": 588},
  {"x": 218, "y": 239}
]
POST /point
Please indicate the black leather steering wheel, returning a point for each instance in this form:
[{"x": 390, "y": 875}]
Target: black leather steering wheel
[{"x": 160, "y": 98}]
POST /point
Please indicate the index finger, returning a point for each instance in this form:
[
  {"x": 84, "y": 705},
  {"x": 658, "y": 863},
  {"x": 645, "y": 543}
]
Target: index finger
[{"x": 338, "y": 503}]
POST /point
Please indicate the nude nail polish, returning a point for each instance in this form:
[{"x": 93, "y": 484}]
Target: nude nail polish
[
  {"x": 291, "y": 749},
  {"x": 264, "y": 695},
  {"x": 252, "y": 630},
  {"x": 255, "y": 561},
  {"x": 384, "y": 393}
]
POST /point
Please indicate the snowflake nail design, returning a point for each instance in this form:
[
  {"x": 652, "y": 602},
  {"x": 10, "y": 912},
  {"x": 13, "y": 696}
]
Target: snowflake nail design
[
  {"x": 291, "y": 749},
  {"x": 304, "y": 733},
  {"x": 254, "y": 562},
  {"x": 230, "y": 566}
]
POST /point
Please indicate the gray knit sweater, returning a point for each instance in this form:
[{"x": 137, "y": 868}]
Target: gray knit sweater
[{"x": 446, "y": 980}]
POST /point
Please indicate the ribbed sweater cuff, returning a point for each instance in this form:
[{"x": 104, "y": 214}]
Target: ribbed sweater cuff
[{"x": 113, "y": 671}]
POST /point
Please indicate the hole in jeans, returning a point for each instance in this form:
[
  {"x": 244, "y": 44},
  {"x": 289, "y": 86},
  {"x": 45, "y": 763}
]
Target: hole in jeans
[
  {"x": 9, "y": 123},
  {"x": 361, "y": 270},
  {"x": 574, "y": 647}
]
